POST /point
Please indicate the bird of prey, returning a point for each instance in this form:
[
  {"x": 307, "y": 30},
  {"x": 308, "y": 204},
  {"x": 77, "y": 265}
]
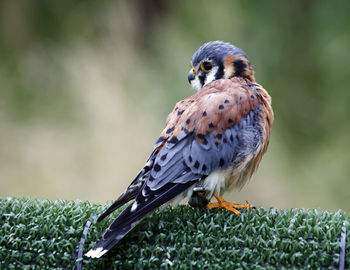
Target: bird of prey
[{"x": 213, "y": 141}]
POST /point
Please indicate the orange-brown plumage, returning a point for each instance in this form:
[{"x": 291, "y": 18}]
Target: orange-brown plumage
[
  {"x": 238, "y": 65},
  {"x": 221, "y": 103},
  {"x": 200, "y": 113}
]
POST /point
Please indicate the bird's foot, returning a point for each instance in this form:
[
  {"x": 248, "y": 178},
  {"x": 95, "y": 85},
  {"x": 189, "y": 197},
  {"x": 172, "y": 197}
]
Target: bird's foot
[
  {"x": 232, "y": 207},
  {"x": 198, "y": 199}
]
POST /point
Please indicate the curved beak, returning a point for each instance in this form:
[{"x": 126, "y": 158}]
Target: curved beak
[{"x": 191, "y": 75}]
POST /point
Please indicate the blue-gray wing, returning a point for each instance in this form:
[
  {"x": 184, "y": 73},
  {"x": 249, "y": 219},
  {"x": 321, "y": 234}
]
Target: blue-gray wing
[
  {"x": 215, "y": 128},
  {"x": 191, "y": 158}
]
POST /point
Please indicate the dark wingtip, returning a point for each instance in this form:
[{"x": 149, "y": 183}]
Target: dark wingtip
[
  {"x": 102, "y": 216},
  {"x": 110, "y": 210},
  {"x": 122, "y": 200}
]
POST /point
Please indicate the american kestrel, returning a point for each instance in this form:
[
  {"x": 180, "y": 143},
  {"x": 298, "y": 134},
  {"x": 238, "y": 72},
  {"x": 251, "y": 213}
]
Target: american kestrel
[{"x": 213, "y": 141}]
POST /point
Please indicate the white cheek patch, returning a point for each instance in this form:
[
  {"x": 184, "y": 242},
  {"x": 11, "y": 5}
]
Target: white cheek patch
[
  {"x": 211, "y": 75},
  {"x": 196, "y": 84}
]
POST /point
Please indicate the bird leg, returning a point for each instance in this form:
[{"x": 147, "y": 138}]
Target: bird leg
[
  {"x": 198, "y": 199},
  {"x": 226, "y": 205}
]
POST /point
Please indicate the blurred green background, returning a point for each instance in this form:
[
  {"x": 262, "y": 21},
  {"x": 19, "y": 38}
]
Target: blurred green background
[{"x": 85, "y": 87}]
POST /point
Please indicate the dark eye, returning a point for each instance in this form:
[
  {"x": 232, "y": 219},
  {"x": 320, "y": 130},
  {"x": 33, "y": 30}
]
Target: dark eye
[{"x": 206, "y": 66}]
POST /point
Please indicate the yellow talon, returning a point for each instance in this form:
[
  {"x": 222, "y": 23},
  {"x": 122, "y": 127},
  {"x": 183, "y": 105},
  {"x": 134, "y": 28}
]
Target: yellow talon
[{"x": 232, "y": 207}]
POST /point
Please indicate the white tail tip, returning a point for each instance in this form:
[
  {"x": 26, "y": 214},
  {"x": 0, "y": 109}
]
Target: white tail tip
[{"x": 96, "y": 253}]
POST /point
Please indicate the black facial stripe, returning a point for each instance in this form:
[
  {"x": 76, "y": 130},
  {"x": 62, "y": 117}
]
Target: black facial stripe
[
  {"x": 220, "y": 73},
  {"x": 240, "y": 67},
  {"x": 201, "y": 79}
]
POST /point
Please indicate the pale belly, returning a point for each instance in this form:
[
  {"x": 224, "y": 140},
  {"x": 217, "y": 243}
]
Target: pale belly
[{"x": 222, "y": 180}]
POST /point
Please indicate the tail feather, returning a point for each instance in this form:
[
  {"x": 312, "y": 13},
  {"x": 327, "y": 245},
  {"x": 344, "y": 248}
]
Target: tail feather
[
  {"x": 106, "y": 244},
  {"x": 123, "y": 199},
  {"x": 146, "y": 201}
]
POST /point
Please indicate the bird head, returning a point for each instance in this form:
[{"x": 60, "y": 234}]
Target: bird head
[{"x": 218, "y": 60}]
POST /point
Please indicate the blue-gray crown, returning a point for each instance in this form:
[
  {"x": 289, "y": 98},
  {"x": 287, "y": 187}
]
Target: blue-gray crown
[{"x": 215, "y": 50}]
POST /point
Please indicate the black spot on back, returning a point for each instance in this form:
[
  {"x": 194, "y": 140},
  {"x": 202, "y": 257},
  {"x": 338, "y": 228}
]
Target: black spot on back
[
  {"x": 188, "y": 121},
  {"x": 204, "y": 167},
  {"x": 156, "y": 167},
  {"x": 221, "y": 107},
  {"x": 180, "y": 112},
  {"x": 222, "y": 162},
  {"x": 230, "y": 120},
  {"x": 170, "y": 130},
  {"x": 196, "y": 164},
  {"x": 174, "y": 140},
  {"x": 160, "y": 139},
  {"x": 204, "y": 114},
  {"x": 190, "y": 158},
  {"x": 211, "y": 125},
  {"x": 201, "y": 136},
  {"x": 163, "y": 157},
  {"x": 219, "y": 136},
  {"x": 226, "y": 101},
  {"x": 231, "y": 138}
]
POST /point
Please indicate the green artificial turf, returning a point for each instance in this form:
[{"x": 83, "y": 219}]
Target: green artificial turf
[{"x": 43, "y": 234}]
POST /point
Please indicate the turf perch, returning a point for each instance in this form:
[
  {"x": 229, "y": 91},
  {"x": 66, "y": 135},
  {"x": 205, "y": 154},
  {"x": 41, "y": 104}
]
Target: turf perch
[{"x": 40, "y": 234}]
